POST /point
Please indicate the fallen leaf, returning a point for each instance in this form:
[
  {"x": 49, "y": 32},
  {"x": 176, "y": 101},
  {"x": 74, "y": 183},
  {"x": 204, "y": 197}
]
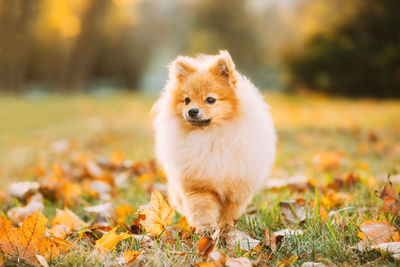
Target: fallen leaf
[
  {"x": 390, "y": 198},
  {"x": 122, "y": 212},
  {"x": 375, "y": 232},
  {"x": 393, "y": 248},
  {"x": 93, "y": 169},
  {"x": 29, "y": 240},
  {"x": 220, "y": 260},
  {"x": 234, "y": 237},
  {"x": 333, "y": 199},
  {"x": 157, "y": 215},
  {"x": 104, "y": 211},
  {"x": 20, "y": 189},
  {"x": 42, "y": 261},
  {"x": 287, "y": 261},
  {"x": 270, "y": 240},
  {"x": 288, "y": 232},
  {"x": 110, "y": 240},
  {"x": 18, "y": 214},
  {"x": 60, "y": 231},
  {"x": 130, "y": 256},
  {"x": 312, "y": 264},
  {"x": 293, "y": 210},
  {"x": 204, "y": 246},
  {"x": 68, "y": 218}
]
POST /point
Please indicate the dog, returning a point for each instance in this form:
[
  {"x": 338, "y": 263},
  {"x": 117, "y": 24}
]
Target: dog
[{"x": 214, "y": 138}]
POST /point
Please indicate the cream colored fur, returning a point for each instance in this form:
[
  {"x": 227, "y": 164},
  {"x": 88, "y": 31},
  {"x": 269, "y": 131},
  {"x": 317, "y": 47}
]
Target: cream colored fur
[{"x": 214, "y": 171}]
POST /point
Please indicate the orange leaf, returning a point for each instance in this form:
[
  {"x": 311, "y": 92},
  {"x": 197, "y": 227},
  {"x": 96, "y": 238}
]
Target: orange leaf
[
  {"x": 390, "y": 199},
  {"x": 157, "y": 216},
  {"x": 130, "y": 256},
  {"x": 29, "y": 240},
  {"x": 110, "y": 240},
  {"x": 68, "y": 218},
  {"x": 205, "y": 246}
]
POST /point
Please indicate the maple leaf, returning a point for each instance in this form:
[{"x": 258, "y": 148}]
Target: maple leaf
[
  {"x": 157, "y": 215},
  {"x": 110, "y": 240},
  {"x": 29, "y": 240}
]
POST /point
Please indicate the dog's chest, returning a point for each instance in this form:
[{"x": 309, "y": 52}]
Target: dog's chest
[{"x": 215, "y": 155}]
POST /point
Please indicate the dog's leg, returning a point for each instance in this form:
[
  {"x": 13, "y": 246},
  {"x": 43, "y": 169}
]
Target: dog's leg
[
  {"x": 175, "y": 197},
  {"x": 202, "y": 210},
  {"x": 233, "y": 210}
]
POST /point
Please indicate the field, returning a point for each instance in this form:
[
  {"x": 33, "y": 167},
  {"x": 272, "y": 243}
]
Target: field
[{"x": 337, "y": 152}]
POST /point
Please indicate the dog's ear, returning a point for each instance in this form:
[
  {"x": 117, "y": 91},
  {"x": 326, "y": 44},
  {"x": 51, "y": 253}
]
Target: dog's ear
[
  {"x": 224, "y": 67},
  {"x": 182, "y": 67}
]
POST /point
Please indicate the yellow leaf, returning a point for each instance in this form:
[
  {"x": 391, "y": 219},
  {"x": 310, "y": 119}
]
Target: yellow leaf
[
  {"x": 29, "y": 240},
  {"x": 68, "y": 218},
  {"x": 147, "y": 177},
  {"x": 110, "y": 240},
  {"x": 158, "y": 215},
  {"x": 122, "y": 212}
]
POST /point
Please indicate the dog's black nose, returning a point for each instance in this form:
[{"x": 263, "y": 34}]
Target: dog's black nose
[{"x": 193, "y": 112}]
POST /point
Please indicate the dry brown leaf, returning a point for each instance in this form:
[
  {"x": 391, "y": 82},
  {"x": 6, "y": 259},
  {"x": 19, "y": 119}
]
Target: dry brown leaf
[
  {"x": 288, "y": 232},
  {"x": 20, "y": 189},
  {"x": 390, "y": 199},
  {"x": 18, "y": 214},
  {"x": 68, "y": 218},
  {"x": 29, "y": 240},
  {"x": 270, "y": 240},
  {"x": 220, "y": 260},
  {"x": 313, "y": 264},
  {"x": 375, "y": 232},
  {"x": 235, "y": 237},
  {"x": 110, "y": 240},
  {"x": 393, "y": 248},
  {"x": 157, "y": 215},
  {"x": 103, "y": 211},
  {"x": 293, "y": 210}
]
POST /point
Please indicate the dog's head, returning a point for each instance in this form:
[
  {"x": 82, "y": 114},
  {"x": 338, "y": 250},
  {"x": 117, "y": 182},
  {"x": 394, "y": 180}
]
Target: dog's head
[{"x": 204, "y": 91}]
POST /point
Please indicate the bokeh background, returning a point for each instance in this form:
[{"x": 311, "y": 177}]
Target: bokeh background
[{"x": 336, "y": 46}]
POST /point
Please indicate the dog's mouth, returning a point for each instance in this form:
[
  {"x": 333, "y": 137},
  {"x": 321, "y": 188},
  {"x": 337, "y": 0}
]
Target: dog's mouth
[{"x": 200, "y": 123}]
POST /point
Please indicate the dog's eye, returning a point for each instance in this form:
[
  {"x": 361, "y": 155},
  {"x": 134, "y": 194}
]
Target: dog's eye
[
  {"x": 187, "y": 100},
  {"x": 210, "y": 100}
]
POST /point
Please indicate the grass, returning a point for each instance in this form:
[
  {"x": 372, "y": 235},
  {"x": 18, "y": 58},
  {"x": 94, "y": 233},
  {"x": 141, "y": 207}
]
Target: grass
[{"x": 319, "y": 137}]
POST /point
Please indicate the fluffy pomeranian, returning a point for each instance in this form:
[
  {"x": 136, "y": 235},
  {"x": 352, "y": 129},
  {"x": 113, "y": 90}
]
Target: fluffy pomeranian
[{"x": 215, "y": 139}]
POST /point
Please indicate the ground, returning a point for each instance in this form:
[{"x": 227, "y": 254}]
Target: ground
[{"x": 345, "y": 149}]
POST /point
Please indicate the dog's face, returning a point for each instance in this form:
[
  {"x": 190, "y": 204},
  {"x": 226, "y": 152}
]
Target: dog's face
[{"x": 206, "y": 96}]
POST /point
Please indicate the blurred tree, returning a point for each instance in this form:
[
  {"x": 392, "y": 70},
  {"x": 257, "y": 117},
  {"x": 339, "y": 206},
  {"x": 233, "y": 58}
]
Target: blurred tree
[
  {"x": 15, "y": 34},
  {"x": 358, "y": 56},
  {"x": 230, "y": 25}
]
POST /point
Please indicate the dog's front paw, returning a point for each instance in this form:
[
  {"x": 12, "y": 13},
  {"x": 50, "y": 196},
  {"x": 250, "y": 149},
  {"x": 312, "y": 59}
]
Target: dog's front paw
[{"x": 204, "y": 230}]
